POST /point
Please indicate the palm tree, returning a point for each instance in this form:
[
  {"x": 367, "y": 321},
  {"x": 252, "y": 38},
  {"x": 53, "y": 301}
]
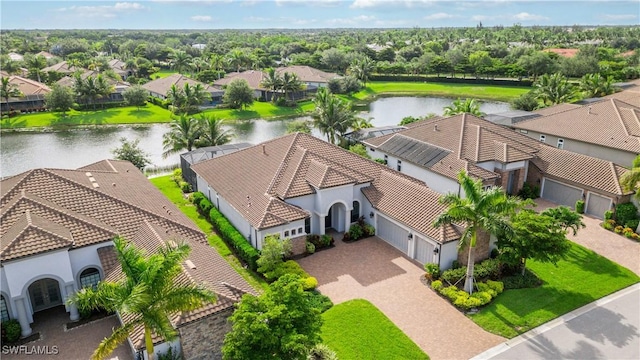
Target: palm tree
[
  {"x": 216, "y": 63},
  {"x": 273, "y": 83},
  {"x": 88, "y": 89},
  {"x": 193, "y": 96},
  {"x": 331, "y": 116},
  {"x": 630, "y": 181},
  {"x": 362, "y": 69},
  {"x": 470, "y": 106},
  {"x": 596, "y": 85},
  {"x": 176, "y": 97},
  {"x": 180, "y": 61},
  {"x": 291, "y": 83},
  {"x": 480, "y": 209},
  {"x": 8, "y": 90},
  {"x": 104, "y": 87},
  {"x": 236, "y": 58},
  {"x": 35, "y": 65},
  {"x": 361, "y": 123},
  {"x": 183, "y": 134},
  {"x": 148, "y": 293},
  {"x": 554, "y": 89},
  {"x": 212, "y": 133}
]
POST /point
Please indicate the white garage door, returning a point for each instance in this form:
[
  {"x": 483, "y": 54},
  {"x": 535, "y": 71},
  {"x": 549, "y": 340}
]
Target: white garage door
[
  {"x": 424, "y": 250},
  {"x": 393, "y": 234},
  {"x": 597, "y": 205},
  {"x": 560, "y": 193}
]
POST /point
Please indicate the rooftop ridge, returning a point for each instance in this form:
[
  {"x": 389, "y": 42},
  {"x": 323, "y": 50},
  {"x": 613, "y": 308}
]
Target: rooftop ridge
[
  {"x": 304, "y": 155},
  {"x": 617, "y": 111},
  {"x": 615, "y": 176},
  {"x": 8, "y": 195},
  {"x": 462, "y": 125},
  {"x": 276, "y": 178}
]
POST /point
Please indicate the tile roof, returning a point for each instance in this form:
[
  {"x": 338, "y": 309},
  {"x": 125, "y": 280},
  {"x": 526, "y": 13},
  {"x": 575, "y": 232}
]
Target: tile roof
[
  {"x": 69, "y": 81},
  {"x": 252, "y": 77},
  {"x": 209, "y": 152},
  {"x": 162, "y": 86},
  {"x": 609, "y": 122},
  {"x": 466, "y": 139},
  {"x": 556, "y": 109},
  {"x": 61, "y": 67},
  {"x": 308, "y": 74},
  {"x": 568, "y": 53},
  {"x": 49, "y": 209},
  {"x": 630, "y": 96},
  {"x": 27, "y": 86},
  {"x": 257, "y": 181}
]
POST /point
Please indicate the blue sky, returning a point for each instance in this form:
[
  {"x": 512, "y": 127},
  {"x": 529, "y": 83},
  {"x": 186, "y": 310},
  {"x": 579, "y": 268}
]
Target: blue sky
[{"x": 261, "y": 14}]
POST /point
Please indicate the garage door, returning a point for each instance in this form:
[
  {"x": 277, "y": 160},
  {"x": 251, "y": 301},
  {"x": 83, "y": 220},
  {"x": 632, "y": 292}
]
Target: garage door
[
  {"x": 424, "y": 250},
  {"x": 560, "y": 193},
  {"x": 597, "y": 205},
  {"x": 393, "y": 234}
]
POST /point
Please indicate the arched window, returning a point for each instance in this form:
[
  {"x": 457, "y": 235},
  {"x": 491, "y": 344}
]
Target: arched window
[
  {"x": 4, "y": 309},
  {"x": 355, "y": 212},
  {"x": 89, "y": 278}
]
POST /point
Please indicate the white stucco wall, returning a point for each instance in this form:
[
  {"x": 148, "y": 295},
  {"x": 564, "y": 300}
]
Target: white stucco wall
[
  {"x": 325, "y": 198},
  {"x": 297, "y": 225},
  {"x": 448, "y": 253},
  {"x": 86, "y": 257}
]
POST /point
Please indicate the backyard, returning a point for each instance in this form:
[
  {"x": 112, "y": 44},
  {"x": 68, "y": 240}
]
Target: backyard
[
  {"x": 581, "y": 278},
  {"x": 356, "y": 329}
]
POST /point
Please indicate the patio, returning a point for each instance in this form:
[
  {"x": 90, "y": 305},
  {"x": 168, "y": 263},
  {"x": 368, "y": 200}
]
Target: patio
[{"x": 77, "y": 343}]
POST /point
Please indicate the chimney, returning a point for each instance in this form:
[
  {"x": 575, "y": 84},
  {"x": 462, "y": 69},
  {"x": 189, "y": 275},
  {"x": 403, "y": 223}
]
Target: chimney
[
  {"x": 435, "y": 127},
  {"x": 264, "y": 149}
]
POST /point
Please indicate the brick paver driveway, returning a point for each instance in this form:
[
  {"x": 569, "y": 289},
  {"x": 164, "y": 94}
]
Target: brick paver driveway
[{"x": 373, "y": 270}]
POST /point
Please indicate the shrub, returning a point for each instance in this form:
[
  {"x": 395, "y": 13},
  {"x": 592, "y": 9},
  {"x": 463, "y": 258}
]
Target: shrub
[
  {"x": 625, "y": 212},
  {"x": 369, "y": 230},
  {"x": 11, "y": 331},
  {"x": 618, "y": 229},
  {"x": 489, "y": 268},
  {"x": 356, "y": 232},
  {"x": 609, "y": 224},
  {"x": 309, "y": 283},
  {"x": 608, "y": 215},
  {"x": 185, "y": 187},
  {"x": 326, "y": 240},
  {"x": 433, "y": 271},
  {"x": 632, "y": 224},
  {"x": 233, "y": 238},
  {"x": 517, "y": 281},
  {"x": 321, "y": 352},
  {"x": 495, "y": 253},
  {"x": 635, "y": 236},
  {"x": 196, "y": 197},
  {"x": 436, "y": 285},
  {"x": 319, "y": 301},
  {"x": 452, "y": 276},
  {"x": 529, "y": 192},
  {"x": 483, "y": 287},
  {"x": 484, "y": 297},
  {"x": 628, "y": 232},
  {"x": 205, "y": 206},
  {"x": 580, "y": 207},
  {"x": 310, "y": 248},
  {"x": 274, "y": 251},
  {"x": 380, "y": 161},
  {"x": 287, "y": 267},
  {"x": 497, "y": 286}
]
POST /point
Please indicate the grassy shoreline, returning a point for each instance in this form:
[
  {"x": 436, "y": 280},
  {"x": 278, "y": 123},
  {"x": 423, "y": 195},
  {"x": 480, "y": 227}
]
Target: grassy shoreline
[{"x": 152, "y": 114}]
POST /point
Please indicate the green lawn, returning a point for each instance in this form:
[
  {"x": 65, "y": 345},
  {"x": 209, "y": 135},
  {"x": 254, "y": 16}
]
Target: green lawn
[
  {"x": 487, "y": 92},
  {"x": 169, "y": 188},
  {"x": 580, "y": 279},
  {"x": 163, "y": 73},
  {"x": 356, "y": 329},
  {"x": 264, "y": 110},
  {"x": 121, "y": 115}
]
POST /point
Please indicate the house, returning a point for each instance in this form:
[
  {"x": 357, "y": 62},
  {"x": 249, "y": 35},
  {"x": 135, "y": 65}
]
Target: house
[
  {"x": 57, "y": 228},
  {"x": 608, "y": 129},
  {"x": 45, "y": 54},
  {"x": 15, "y": 56},
  {"x": 61, "y": 67},
  {"x": 435, "y": 150},
  {"x": 252, "y": 77},
  {"x": 159, "y": 87},
  {"x": 297, "y": 184},
  {"x": 32, "y": 98},
  {"x": 313, "y": 78},
  {"x": 118, "y": 86},
  {"x": 367, "y": 133},
  {"x": 193, "y": 157},
  {"x": 120, "y": 68},
  {"x": 567, "y": 53}
]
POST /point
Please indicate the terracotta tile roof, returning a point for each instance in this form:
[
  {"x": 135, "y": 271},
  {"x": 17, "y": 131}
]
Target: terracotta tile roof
[
  {"x": 568, "y": 53},
  {"x": 308, "y": 74},
  {"x": 69, "y": 81},
  {"x": 467, "y": 139},
  {"x": 630, "y": 96},
  {"x": 610, "y": 122},
  {"x": 27, "y": 86},
  {"x": 45, "y": 54},
  {"x": 61, "y": 67},
  {"x": 556, "y": 109},
  {"x": 252, "y": 77},
  {"x": 580, "y": 169},
  {"x": 298, "y": 164},
  {"x": 162, "y": 86},
  {"x": 410, "y": 203}
]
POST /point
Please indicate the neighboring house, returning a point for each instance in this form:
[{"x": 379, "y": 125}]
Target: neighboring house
[
  {"x": 61, "y": 67},
  {"x": 311, "y": 77},
  {"x": 297, "y": 184},
  {"x": 159, "y": 87},
  {"x": 608, "y": 129},
  {"x": 45, "y": 54},
  {"x": 252, "y": 77},
  {"x": 368, "y": 133},
  {"x": 120, "y": 68},
  {"x": 436, "y": 150},
  {"x": 191, "y": 158},
  {"x": 32, "y": 98},
  {"x": 508, "y": 118},
  {"x": 118, "y": 86},
  {"x": 15, "y": 56},
  {"x": 57, "y": 228},
  {"x": 567, "y": 53}
]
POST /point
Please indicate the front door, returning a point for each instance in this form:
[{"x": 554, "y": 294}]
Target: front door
[{"x": 44, "y": 294}]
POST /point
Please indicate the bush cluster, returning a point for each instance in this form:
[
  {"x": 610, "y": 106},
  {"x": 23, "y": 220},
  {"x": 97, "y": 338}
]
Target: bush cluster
[
  {"x": 460, "y": 298},
  {"x": 624, "y": 221},
  {"x": 580, "y": 207},
  {"x": 319, "y": 301},
  {"x": 10, "y": 331},
  {"x": 529, "y": 192},
  {"x": 518, "y": 281},
  {"x": 488, "y": 269},
  {"x": 291, "y": 267},
  {"x": 319, "y": 242},
  {"x": 359, "y": 230},
  {"x": 432, "y": 271},
  {"x": 626, "y": 212}
]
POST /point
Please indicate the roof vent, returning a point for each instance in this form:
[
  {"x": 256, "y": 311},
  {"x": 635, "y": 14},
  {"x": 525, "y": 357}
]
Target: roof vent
[
  {"x": 95, "y": 185},
  {"x": 190, "y": 264},
  {"x": 88, "y": 174},
  {"x": 113, "y": 184},
  {"x": 92, "y": 179},
  {"x": 435, "y": 128}
]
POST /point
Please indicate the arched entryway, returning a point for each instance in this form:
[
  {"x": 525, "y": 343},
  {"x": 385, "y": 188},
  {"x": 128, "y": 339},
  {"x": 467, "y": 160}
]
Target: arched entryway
[
  {"x": 44, "y": 294},
  {"x": 337, "y": 217}
]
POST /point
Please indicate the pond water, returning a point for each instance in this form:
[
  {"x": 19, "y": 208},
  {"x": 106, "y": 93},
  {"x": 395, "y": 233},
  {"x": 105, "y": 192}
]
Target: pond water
[{"x": 76, "y": 148}]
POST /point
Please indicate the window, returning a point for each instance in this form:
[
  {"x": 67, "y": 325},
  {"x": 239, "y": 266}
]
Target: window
[
  {"x": 399, "y": 166},
  {"x": 524, "y": 131},
  {"x": 299, "y": 230},
  {"x": 286, "y": 234},
  {"x": 372, "y": 149},
  {"x": 307, "y": 225},
  {"x": 293, "y": 232},
  {"x": 4, "y": 309},
  {"x": 386, "y": 159},
  {"x": 543, "y": 138},
  {"x": 89, "y": 278},
  {"x": 560, "y": 143},
  {"x": 355, "y": 212}
]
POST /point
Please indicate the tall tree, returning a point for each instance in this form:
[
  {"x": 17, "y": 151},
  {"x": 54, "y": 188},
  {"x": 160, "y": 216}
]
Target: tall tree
[
  {"x": 194, "y": 96},
  {"x": 554, "y": 89},
  {"x": 8, "y": 90},
  {"x": 35, "y": 64},
  {"x": 291, "y": 83},
  {"x": 630, "y": 181},
  {"x": 59, "y": 99},
  {"x": 130, "y": 151},
  {"x": 273, "y": 83},
  {"x": 331, "y": 116},
  {"x": 212, "y": 132},
  {"x": 469, "y": 106},
  {"x": 148, "y": 291},
  {"x": 237, "y": 59},
  {"x": 596, "y": 85},
  {"x": 238, "y": 94},
  {"x": 183, "y": 134},
  {"x": 362, "y": 69},
  {"x": 480, "y": 210},
  {"x": 180, "y": 61},
  {"x": 176, "y": 97},
  {"x": 135, "y": 96}
]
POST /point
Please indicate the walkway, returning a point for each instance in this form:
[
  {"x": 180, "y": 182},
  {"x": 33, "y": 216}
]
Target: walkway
[
  {"x": 77, "y": 343},
  {"x": 604, "y": 329},
  {"x": 606, "y": 243},
  {"x": 373, "y": 270}
]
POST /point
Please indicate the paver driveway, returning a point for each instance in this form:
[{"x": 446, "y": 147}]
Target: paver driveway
[{"x": 373, "y": 270}]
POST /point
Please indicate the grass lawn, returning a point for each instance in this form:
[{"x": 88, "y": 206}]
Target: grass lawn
[
  {"x": 122, "y": 115},
  {"x": 169, "y": 188},
  {"x": 263, "y": 110},
  {"x": 356, "y": 329},
  {"x": 163, "y": 73},
  {"x": 580, "y": 279},
  {"x": 486, "y": 92}
]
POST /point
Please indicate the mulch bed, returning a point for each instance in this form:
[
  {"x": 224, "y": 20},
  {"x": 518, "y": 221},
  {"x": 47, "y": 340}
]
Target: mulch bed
[
  {"x": 28, "y": 339},
  {"x": 97, "y": 315}
]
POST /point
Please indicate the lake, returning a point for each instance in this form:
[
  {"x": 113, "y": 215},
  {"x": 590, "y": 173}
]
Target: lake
[{"x": 75, "y": 148}]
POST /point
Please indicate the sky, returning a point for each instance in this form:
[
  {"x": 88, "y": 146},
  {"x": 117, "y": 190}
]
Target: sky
[{"x": 302, "y": 14}]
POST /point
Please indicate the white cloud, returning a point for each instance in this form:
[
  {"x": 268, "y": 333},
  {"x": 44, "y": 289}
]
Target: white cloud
[
  {"x": 352, "y": 21},
  {"x": 203, "y": 18},
  {"x": 204, "y": 2},
  {"x": 439, "y": 16},
  {"x": 362, "y": 4},
  {"x": 279, "y": 21},
  {"x": 620, "y": 16},
  {"x": 103, "y": 11},
  {"x": 523, "y": 16},
  {"x": 321, "y": 3}
]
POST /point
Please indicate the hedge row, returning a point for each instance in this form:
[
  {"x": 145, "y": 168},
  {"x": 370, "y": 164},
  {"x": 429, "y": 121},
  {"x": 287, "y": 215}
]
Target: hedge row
[{"x": 227, "y": 231}]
